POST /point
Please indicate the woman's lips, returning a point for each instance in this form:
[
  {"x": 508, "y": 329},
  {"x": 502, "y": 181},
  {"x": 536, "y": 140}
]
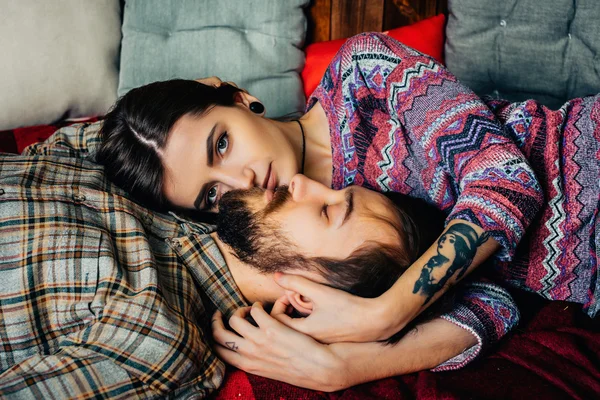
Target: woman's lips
[
  {"x": 270, "y": 181},
  {"x": 267, "y": 176}
]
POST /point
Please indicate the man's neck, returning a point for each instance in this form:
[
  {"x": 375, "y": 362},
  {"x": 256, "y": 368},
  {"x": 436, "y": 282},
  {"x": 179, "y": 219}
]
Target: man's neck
[
  {"x": 233, "y": 263},
  {"x": 230, "y": 259}
]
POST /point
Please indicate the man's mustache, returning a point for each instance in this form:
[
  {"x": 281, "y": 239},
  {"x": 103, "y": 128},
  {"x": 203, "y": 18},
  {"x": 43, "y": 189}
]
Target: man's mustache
[
  {"x": 241, "y": 198},
  {"x": 280, "y": 197}
]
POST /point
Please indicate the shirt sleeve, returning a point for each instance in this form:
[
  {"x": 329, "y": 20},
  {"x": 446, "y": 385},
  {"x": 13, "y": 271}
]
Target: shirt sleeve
[
  {"x": 136, "y": 348},
  {"x": 72, "y": 372},
  {"x": 488, "y": 312},
  {"x": 78, "y": 140},
  {"x": 469, "y": 165},
  {"x": 108, "y": 370}
]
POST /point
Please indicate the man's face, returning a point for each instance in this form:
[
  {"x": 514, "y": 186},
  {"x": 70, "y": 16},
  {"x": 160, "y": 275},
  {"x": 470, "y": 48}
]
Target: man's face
[{"x": 315, "y": 221}]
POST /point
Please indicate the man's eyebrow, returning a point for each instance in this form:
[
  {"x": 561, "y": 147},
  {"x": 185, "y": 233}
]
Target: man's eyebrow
[
  {"x": 349, "y": 205},
  {"x": 209, "y": 162}
]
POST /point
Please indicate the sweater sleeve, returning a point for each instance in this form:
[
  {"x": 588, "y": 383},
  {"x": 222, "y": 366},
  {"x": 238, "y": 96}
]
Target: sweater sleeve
[
  {"x": 488, "y": 312},
  {"x": 466, "y": 164}
]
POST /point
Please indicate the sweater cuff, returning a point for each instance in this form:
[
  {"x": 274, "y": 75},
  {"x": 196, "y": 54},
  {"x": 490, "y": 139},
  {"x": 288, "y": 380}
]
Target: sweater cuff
[
  {"x": 486, "y": 311},
  {"x": 458, "y": 315}
]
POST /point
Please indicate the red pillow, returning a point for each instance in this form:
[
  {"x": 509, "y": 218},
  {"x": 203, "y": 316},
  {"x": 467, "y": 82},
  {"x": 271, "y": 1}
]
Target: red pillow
[{"x": 427, "y": 36}]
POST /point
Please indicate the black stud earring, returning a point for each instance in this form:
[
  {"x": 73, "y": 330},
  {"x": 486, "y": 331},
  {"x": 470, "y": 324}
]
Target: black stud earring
[{"x": 257, "y": 107}]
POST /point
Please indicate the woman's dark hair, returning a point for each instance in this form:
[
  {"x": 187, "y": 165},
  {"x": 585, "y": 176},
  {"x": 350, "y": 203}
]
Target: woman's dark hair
[{"x": 136, "y": 129}]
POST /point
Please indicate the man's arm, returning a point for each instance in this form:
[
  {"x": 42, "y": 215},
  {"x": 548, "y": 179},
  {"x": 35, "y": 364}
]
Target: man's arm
[
  {"x": 79, "y": 141},
  {"x": 278, "y": 352}
]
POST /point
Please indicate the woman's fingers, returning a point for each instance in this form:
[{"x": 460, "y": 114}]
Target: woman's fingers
[
  {"x": 299, "y": 284},
  {"x": 282, "y": 306},
  {"x": 210, "y": 81}
]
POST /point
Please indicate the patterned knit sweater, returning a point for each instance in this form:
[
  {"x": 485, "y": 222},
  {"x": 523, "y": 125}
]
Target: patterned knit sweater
[
  {"x": 558, "y": 257},
  {"x": 400, "y": 121}
]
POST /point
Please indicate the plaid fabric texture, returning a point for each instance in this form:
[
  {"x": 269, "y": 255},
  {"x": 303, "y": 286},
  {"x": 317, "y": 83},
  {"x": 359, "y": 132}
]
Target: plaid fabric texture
[{"x": 100, "y": 298}]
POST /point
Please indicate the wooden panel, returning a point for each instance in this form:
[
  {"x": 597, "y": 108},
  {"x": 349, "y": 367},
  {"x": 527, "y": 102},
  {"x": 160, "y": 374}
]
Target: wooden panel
[
  {"x": 334, "y": 19},
  {"x": 349, "y": 17},
  {"x": 319, "y": 21},
  {"x": 405, "y": 12}
]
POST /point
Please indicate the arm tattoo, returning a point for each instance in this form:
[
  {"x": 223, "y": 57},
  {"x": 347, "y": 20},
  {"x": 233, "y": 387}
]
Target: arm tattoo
[
  {"x": 231, "y": 346},
  {"x": 456, "y": 249}
]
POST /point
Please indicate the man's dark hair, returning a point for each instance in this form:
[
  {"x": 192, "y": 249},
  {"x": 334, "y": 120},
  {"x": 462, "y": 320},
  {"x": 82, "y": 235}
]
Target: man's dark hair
[
  {"x": 136, "y": 129},
  {"x": 368, "y": 272}
]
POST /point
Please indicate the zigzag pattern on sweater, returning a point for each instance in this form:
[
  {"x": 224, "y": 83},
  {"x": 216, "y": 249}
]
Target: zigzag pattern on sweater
[{"x": 401, "y": 122}]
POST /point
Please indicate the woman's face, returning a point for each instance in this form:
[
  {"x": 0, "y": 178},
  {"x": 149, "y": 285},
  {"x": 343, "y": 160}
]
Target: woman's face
[
  {"x": 446, "y": 246},
  {"x": 225, "y": 148}
]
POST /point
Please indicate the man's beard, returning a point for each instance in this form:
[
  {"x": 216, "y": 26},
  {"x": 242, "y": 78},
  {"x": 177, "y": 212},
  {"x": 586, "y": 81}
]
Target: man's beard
[{"x": 248, "y": 231}]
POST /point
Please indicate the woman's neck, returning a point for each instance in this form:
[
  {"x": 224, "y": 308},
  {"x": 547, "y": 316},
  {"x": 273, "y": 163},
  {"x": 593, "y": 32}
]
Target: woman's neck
[{"x": 318, "y": 161}]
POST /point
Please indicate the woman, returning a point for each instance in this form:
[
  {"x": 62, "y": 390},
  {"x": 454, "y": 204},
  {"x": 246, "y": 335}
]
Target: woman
[{"x": 391, "y": 119}]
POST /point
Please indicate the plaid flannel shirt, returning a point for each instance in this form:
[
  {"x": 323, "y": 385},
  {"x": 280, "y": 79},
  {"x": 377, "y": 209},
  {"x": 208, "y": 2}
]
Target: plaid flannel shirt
[{"x": 99, "y": 297}]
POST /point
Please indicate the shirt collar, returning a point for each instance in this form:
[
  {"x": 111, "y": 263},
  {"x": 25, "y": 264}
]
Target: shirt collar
[{"x": 202, "y": 256}]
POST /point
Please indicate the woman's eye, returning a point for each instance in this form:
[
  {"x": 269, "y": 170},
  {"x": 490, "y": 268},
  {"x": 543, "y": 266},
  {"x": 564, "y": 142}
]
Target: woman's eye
[
  {"x": 222, "y": 143},
  {"x": 211, "y": 196}
]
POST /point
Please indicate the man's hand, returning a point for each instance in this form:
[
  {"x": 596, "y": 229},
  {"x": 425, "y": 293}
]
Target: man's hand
[
  {"x": 336, "y": 315},
  {"x": 275, "y": 351}
]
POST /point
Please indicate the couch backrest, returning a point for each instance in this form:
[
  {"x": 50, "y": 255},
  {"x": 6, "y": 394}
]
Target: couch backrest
[{"x": 519, "y": 49}]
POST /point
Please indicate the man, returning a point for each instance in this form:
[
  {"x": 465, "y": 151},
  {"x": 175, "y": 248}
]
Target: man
[
  {"x": 307, "y": 228},
  {"x": 100, "y": 297}
]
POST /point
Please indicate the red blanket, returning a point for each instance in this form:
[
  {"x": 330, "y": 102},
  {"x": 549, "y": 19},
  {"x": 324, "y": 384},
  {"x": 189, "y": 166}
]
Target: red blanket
[{"x": 554, "y": 354}]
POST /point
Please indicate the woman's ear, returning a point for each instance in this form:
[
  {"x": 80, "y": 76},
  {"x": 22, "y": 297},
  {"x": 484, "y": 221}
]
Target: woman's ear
[
  {"x": 302, "y": 304},
  {"x": 250, "y": 102}
]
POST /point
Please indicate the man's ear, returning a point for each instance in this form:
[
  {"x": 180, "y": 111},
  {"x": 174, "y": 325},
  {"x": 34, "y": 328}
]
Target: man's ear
[{"x": 302, "y": 304}]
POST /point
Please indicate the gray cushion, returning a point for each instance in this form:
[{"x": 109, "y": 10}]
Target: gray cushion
[
  {"x": 548, "y": 50},
  {"x": 254, "y": 43},
  {"x": 59, "y": 59}
]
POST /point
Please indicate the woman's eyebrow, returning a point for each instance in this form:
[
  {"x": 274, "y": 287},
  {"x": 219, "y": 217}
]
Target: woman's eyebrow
[
  {"x": 209, "y": 146},
  {"x": 209, "y": 163},
  {"x": 200, "y": 196}
]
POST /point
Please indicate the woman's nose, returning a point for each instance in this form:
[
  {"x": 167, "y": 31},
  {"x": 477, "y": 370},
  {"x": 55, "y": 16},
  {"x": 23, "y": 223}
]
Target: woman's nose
[{"x": 243, "y": 179}]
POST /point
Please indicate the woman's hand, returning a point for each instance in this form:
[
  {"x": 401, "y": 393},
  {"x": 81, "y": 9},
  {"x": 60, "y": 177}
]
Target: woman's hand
[
  {"x": 275, "y": 351},
  {"x": 210, "y": 81},
  {"x": 216, "y": 82},
  {"x": 336, "y": 315}
]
